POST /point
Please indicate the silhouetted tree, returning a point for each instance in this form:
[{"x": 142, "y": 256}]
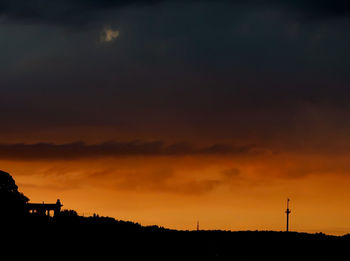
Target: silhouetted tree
[
  {"x": 12, "y": 202},
  {"x": 67, "y": 217},
  {"x": 68, "y": 213}
]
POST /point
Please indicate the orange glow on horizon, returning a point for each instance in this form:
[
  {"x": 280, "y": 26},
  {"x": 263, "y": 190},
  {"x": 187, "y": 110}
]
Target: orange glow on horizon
[{"x": 223, "y": 192}]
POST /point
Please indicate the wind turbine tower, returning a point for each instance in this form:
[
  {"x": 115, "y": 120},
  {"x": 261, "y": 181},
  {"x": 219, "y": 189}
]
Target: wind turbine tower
[{"x": 288, "y": 213}]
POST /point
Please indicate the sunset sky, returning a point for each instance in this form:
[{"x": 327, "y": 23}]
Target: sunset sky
[{"x": 171, "y": 111}]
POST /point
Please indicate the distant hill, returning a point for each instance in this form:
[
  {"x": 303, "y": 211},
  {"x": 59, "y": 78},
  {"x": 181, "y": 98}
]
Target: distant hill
[
  {"x": 68, "y": 236},
  {"x": 103, "y": 237}
]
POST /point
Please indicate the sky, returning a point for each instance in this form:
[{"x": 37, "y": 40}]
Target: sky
[{"x": 167, "y": 112}]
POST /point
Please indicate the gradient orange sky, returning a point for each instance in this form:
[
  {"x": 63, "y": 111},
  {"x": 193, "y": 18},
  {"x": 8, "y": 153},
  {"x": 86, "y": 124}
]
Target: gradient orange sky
[{"x": 243, "y": 190}]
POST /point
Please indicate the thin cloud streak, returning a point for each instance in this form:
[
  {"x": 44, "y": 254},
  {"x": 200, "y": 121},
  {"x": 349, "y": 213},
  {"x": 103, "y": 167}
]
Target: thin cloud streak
[{"x": 81, "y": 150}]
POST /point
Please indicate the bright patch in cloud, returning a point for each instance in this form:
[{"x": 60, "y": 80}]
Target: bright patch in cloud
[{"x": 109, "y": 34}]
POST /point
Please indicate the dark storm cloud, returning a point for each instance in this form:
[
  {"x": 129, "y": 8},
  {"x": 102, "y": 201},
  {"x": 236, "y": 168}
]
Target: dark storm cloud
[
  {"x": 80, "y": 150},
  {"x": 82, "y": 12},
  {"x": 202, "y": 69},
  {"x": 310, "y": 7},
  {"x": 60, "y": 11}
]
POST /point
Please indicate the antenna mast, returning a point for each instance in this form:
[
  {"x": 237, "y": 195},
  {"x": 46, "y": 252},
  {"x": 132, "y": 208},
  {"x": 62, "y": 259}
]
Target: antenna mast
[{"x": 288, "y": 213}]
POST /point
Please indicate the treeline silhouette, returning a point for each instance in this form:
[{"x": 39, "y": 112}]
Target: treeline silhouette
[{"x": 70, "y": 236}]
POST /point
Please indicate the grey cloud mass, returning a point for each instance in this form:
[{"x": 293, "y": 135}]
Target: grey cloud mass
[
  {"x": 178, "y": 70},
  {"x": 78, "y": 12}
]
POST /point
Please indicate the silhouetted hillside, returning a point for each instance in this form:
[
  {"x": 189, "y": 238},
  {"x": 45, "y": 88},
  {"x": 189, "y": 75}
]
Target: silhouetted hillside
[
  {"x": 103, "y": 237},
  {"x": 69, "y": 236}
]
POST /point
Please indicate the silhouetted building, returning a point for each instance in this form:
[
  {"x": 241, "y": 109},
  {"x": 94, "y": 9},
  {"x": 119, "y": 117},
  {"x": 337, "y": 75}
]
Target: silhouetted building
[{"x": 44, "y": 209}]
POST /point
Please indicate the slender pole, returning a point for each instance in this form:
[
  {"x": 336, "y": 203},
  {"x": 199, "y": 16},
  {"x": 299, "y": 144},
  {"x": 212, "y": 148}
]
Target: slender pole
[{"x": 288, "y": 212}]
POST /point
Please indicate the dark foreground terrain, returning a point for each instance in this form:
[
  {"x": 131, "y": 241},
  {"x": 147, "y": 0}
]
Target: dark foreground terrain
[
  {"x": 99, "y": 238},
  {"x": 27, "y": 235}
]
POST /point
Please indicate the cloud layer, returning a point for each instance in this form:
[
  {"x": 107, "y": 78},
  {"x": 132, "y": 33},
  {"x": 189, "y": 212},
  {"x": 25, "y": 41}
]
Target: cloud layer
[
  {"x": 82, "y": 12},
  {"x": 81, "y": 150}
]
